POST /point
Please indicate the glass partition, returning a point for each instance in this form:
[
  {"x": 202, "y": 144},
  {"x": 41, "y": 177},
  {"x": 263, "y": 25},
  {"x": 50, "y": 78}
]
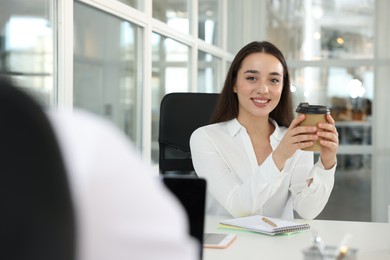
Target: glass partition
[
  {"x": 106, "y": 68},
  {"x": 210, "y": 21},
  {"x": 312, "y": 30},
  {"x": 329, "y": 46},
  {"x": 174, "y": 13},
  {"x": 170, "y": 73},
  {"x": 235, "y": 25},
  {"x": 349, "y": 92},
  {"x": 209, "y": 71},
  {"x": 339, "y": 87},
  {"x": 27, "y": 41},
  {"x": 132, "y": 3}
]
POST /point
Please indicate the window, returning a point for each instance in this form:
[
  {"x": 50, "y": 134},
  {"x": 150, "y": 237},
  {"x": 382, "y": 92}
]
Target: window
[
  {"x": 209, "y": 68},
  {"x": 174, "y": 13},
  {"x": 132, "y": 3},
  {"x": 331, "y": 63},
  {"x": 312, "y": 30},
  {"x": 210, "y": 21},
  {"x": 106, "y": 68},
  {"x": 26, "y": 47},
  {"x": 170, "y": 73}
]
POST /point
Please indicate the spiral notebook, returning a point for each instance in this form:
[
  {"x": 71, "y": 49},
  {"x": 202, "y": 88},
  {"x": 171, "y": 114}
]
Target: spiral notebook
[{"x": 266, "y": 225}]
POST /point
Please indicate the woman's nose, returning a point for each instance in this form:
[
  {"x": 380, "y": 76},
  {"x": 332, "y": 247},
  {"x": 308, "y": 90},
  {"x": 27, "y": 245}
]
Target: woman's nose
[{"x": 262, "y": 88}]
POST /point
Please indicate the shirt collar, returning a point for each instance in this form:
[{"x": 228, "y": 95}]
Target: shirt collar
[
  {"x": 279, "y": 132},
  {"x": 234, "y": 127}
]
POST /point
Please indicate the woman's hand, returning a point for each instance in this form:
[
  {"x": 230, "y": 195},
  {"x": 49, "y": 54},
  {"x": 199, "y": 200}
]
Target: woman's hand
[
  {"x": 299, "y": 137},
  {"x": 329, "y": 142},
  {"x": 296, "y": 137}
]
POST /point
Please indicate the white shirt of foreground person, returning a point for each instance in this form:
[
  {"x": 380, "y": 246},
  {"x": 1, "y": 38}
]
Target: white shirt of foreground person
[
  {"x": 122, "y": 212},
  {"x": 223, "y": 154}
]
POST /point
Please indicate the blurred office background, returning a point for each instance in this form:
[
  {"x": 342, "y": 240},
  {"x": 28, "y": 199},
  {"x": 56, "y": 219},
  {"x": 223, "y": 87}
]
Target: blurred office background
[{"x": 119, "y": 58}]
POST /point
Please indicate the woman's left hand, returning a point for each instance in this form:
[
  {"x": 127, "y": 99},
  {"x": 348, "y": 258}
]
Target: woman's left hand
[{"x": 329, "y": 141}]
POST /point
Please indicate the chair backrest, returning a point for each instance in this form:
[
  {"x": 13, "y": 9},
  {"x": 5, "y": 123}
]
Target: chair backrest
[
  {"x": 180, "y": 115},
  {"x": 36, "y": 220}
]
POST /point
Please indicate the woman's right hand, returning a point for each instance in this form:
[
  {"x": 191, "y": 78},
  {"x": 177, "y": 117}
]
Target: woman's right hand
[{"x": 296, "y": 137}]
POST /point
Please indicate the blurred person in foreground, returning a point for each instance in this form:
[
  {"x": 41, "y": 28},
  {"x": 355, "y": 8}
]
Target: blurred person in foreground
[{"x": 121, "y": 210}]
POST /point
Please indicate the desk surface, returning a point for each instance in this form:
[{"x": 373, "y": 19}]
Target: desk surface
[{"x": 371, "y": 239}]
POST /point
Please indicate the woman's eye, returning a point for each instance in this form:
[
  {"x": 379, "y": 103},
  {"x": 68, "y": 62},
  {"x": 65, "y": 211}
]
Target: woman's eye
[
  {"x": 275, "y": 81},
  {"x": 251, "y": 78}
]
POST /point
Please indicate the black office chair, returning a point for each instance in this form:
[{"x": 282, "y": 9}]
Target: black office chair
[
  {"x": 36, "y": 220},
  {"x": 180, "y": 115}
]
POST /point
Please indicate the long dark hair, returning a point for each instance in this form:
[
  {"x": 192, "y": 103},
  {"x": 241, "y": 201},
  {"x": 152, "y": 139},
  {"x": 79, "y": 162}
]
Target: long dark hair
[{"x": 227, "y": 105}]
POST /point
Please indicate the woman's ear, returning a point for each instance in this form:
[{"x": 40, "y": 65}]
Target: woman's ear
[{"x": 235, "y": 89}]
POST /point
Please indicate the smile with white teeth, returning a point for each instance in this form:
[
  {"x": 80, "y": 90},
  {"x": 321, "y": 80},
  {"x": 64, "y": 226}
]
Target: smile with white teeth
[{"x": 261, "y": 101}]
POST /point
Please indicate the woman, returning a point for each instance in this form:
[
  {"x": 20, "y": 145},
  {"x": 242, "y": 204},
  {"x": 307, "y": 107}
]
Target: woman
[{"x": 251, "y": 154}]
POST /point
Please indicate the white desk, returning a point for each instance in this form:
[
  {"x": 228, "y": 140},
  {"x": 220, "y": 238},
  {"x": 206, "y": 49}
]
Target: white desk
[{"x": 371, "y": 239}]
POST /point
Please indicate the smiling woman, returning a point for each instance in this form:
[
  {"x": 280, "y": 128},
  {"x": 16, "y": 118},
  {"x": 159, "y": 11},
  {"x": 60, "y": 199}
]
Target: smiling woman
[
  {"x": 251, "y": 155},
  {"x": 259, "y": 83}
]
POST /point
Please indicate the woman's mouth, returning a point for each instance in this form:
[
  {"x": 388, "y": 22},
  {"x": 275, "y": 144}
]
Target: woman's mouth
[{"x": 260, "y": 101}]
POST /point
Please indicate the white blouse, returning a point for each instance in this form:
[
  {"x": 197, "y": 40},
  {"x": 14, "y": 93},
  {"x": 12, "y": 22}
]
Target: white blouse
[{"x": 222, "y": 153}]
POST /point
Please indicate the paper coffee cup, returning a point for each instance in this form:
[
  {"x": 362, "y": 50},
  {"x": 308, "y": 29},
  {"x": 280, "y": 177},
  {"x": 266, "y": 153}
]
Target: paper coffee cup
[{"x": 314, "y": 114}]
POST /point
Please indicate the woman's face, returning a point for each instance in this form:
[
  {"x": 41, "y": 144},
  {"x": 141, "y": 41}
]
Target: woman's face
[{"x": 259, "y": 85}]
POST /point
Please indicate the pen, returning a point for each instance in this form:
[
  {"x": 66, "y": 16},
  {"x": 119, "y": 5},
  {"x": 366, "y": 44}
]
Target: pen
[{"x": 269, "y": 222}]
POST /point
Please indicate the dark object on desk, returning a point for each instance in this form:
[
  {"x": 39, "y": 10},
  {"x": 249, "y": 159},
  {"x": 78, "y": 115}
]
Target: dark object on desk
[
  {"x": 191, "y": 192},
  {"x": 180, "y": 115},
  {"x": 36, "y": 220}
]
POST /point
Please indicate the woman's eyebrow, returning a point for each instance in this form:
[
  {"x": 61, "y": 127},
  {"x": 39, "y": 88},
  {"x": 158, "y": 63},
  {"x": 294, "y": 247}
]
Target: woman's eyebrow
[
  {"x": 251, "y": 71},
  {"x": 276, "y": 74},
  {"x": 257, "y": 72}
]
